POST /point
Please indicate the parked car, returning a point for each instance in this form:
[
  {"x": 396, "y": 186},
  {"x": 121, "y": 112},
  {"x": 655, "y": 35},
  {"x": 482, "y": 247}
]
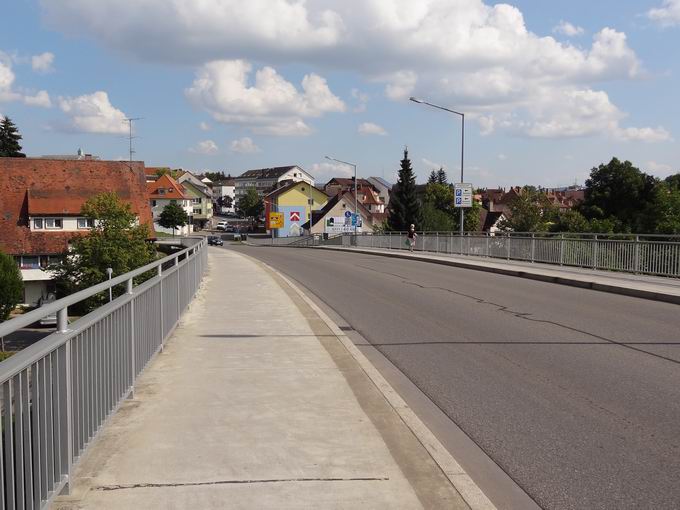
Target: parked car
[
  {"x": 230, "y": 228},
  {"x": 222, "y": 225},
  {"x": 215, "y": 241}
]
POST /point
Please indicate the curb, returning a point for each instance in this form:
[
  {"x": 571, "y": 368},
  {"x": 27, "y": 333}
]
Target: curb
[
  {"x": 560, "y": 280},
  {"x": 468, "y": 489}
]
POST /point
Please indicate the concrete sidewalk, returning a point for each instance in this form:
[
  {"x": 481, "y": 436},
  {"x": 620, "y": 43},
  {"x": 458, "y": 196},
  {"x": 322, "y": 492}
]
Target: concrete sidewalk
[
  {"x": 642, "y": 286},
  {"x": 256, "y": 403}
]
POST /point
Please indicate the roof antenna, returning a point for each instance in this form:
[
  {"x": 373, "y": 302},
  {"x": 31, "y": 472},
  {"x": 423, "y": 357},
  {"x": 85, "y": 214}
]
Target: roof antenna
[{"x": 130, "y": 137}]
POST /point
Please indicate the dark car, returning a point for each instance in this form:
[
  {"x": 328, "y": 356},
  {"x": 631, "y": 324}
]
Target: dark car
[{"x": 215, "y": 241}]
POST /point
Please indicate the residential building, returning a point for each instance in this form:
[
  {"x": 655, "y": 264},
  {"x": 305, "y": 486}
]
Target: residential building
[
  {"x": 382, "y": 187},
  {"x": 40, "y": 209},
  {"x": 79, "y": 155},
  {"x": 293, "y": 200},
  {"x": 164, "y": 191},
  {"x": 224, "y": 196},
  {"x": 201, "y": 197},
  {"x": 346, "y": 184},
  {"x": 336, "y": 217},
  {"x": 264, "y": 180}
]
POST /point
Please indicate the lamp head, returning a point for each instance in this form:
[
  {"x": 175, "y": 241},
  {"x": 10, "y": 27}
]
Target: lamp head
[{"x": 415, "y": 99}]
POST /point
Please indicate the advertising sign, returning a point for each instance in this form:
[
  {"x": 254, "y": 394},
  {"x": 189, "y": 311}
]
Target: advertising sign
[
  {"x": 275, "y": 220},
  {"x": 341, "y": 225}
]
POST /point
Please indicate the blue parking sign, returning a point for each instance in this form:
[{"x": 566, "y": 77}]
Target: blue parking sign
[
  {"x": 459, "y": 192},
  {"x": 459, "y": 200}
]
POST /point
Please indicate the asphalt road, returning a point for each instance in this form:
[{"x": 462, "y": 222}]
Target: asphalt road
[{"x": 575, "y": 394}]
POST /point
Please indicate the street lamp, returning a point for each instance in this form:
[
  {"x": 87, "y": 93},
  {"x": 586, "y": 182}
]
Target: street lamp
[
  {"x": 356, "y": 210},
  {"x": 462, "y": 149}
]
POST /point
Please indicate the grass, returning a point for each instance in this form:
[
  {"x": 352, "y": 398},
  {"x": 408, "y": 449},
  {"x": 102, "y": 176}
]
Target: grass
[{"x": 5, "y": 355}]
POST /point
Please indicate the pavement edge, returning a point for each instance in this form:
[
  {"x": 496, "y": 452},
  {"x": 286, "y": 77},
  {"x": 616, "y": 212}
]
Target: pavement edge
[{"x": 463, "y": 483}]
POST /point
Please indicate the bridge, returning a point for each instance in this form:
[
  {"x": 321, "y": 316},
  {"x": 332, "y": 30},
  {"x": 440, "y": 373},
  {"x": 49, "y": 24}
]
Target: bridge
[{"x": 355, "y": 375}]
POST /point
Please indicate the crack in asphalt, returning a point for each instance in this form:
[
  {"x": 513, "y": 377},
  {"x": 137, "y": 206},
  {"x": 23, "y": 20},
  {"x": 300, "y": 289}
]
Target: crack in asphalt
[
  {"x": 521, "y": 315},
  {"x": 236, "y": 482}
]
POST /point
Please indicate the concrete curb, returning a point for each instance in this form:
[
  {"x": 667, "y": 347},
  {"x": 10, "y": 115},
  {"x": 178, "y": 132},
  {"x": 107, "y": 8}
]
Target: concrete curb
[
  {"x": 462, "y": 482},
  {"x": 572, "y": 281}
]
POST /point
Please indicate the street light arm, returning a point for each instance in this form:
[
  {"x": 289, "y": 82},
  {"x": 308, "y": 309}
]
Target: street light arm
[
  {"x": 340, "y": 161},
  {"x": 420, "y": 101}
]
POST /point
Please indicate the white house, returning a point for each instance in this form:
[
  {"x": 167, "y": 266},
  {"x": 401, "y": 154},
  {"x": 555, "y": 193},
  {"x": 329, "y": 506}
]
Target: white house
[
  {"x": 265, "y": 180},
  {"x": 163, "y": 191}
]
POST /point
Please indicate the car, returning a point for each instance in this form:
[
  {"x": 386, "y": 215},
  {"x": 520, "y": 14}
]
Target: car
[
  {"x": 229, "y": 228},
  {"x": 215, "y": 241},
  {"x": 222, "y": 225}
]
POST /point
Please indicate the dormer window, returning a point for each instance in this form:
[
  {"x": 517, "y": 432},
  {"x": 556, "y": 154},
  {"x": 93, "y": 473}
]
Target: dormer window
[
  {"x": 161, "y": 191},
  {"x": 53, "y": 223},
  {"x": 85, "y": 223},
  {"x": 38, "y": 223}
]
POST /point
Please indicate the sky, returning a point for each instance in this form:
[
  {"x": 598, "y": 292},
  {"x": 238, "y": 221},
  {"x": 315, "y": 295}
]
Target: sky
[{"x": 549, "y": 89}]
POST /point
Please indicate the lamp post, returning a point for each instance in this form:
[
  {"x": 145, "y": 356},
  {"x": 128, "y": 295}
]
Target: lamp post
[
  {"x": 356, "y": 210},
  {"x": 462, "y": 150}
]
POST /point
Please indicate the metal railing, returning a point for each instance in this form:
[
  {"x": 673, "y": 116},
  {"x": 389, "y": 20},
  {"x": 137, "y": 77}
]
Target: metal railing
[
  {"x": 638, "y": 254},
  {"x": 58, "y": 393}
]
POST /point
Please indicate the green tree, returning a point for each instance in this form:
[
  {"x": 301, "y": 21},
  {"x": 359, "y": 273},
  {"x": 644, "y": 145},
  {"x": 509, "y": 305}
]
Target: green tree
[
  {"x": 662, "y": 216},
  {"x": 673, "y": 181},
  {"x": 571, "y": 221},
  {"x": 404, "y": 206},
  {"x": 160, "y": 172},
  {"x": 116, "y": 240},
  {"x": 432, "y": 179},
  {"x": 620, "y": 193},
  {"x": 530, "y": 211},
  {"x": 216, "y": 176},
  {"x": 441, "y": 176},
  {"x": 173, "y": 216},
  {"x": 250, "y": 205},
  {"x": 9, "y": 140},
  {"x": 11, "y": 286},
  {"x": 437, "y": 208}
]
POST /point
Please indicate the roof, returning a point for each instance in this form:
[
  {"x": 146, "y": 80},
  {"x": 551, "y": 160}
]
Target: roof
[
  {"x": 173, "y": 190},
  {"x": 266, "y": 173},
  {"x": 490, "y": 219},
  {"x": 43, "y": 185},
  {"x": 349, "y": 197},
  {"x": 381, "y": 181},
  {"x": 289, "y": 186},
  {"x": 349, "y": 181}
]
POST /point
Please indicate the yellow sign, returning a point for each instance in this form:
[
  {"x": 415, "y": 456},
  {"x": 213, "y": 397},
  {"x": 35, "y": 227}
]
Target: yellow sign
[{"x": 275, "y": 220}]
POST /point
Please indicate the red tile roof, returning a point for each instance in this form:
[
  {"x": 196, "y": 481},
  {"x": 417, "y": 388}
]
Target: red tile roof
[
  {"x": 59, "y": 187},
  {"x": 173, "y": 190}
]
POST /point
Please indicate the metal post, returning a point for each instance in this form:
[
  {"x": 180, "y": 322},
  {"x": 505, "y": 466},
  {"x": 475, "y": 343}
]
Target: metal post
[
  {"x": 160, "y": 294},
  {"x": 462, "y": 160},
  {"x": 437, "y": 249},
  {"x": 68, "y": 462},
  {"x": 637, "y": 254},
  {"x": 488, "y": 235},
  {"x": 596, "y": 250},
  {"x": 561, "y": 249},
  {"x": 507, "y": 246},
  {"x": 62, "y": 320},
  {"x": 533, "y": 247}
]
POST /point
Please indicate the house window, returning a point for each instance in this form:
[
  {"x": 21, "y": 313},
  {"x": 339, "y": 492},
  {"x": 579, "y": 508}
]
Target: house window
[
  {"x": 195, "y": 200},
  {"x": 53, "y": 223},
  {"x": 197, "y": 210},
  {"x": 30, "y": 262},
  {"x": 84, "y": 223},
  {"x": 161, "y": 191},
  {"x": 38, "y": 223},
  {"x": 153, "y": 203}
]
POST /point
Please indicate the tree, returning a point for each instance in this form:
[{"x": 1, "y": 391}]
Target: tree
[
  {"x": 619, "y": 192},
  {"x": 438, "y": 210},
  {"x": 116, "y": 240},
  {"x": 173, "y": 216},
  {"x": 404, "y": 205},
  {"x": 673, "y": 181},
  {"x": 441, "y": 176},
  {"x": 216, "y": 176},
  {"x": 433, "y": 178},
  {"x": 9, "y": 140},
  {"x": 11, "y": 286},
  {"x": 530, "y": 211},
  {"x": 250, "y": 205},
  {"x": 160, "y": 172},
  {"x": 571, "y": 221}
]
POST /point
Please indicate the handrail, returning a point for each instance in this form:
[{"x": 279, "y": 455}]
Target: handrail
[{"x": 33, "y": 316}]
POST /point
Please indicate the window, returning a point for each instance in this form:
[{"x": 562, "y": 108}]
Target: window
[
  {"x": 38, "y": 223},
  {"x": 195, "y": 200},
  {"x": 161, "y": 191},
  {"x": 30, "y": 262},
  {"x": 153, "y": 203},
  {"x": 85, "y": 223},
  {"x": 173, "y": 201},
  {"x": 53, "y": 223},
  {"x": 197, "y": 210}
]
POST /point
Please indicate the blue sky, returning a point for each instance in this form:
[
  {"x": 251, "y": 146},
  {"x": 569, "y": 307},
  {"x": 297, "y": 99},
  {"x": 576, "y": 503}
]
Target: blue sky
[{"x": 550, "y": 89}]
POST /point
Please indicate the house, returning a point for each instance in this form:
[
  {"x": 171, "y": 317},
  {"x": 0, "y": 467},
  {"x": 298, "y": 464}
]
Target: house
[
  {"x": 164, "y": 191},
  {"x": 224, "y": 196},
  {"x": 336, "y": 217},
  {"x": 491, "y": 221},
  {"x": 293, "y": 200},
  {"x": 40, "y": 209},
  {"x": 345, "y": 184},
  {"x": 383, "y": 188},
  {"x": 264, "y": 180},
  {"x": 201, "y": 197}
]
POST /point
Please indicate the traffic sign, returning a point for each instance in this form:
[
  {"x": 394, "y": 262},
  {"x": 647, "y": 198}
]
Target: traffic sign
[
  {"x": 348, "y": 214},
  {"x": 295, "y": 216},
  {"x": 463, "y": 194},
  {"x": 275, "y": 220}
]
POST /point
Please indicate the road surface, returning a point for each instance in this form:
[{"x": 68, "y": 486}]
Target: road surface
[{"x": 575, "y": 394}]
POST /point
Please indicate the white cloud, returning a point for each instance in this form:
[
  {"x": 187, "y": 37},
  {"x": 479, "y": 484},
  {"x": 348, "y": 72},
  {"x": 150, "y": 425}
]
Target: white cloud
[
  {"x": 478, "y": 57},
  {"x": 369, "y": 128},
  {"x": 206, "y": 147},
  {"x": 661, "y": 169},
  {"x": 648, "y": 134},
  {"x": 41, "y": 98},
  {"x": 324, "y": 172},
  {"x": 270, "y": 105},
  {"x": 668, "y": 14},
  {"x": 8, "y": 91},
  {"x": 362, "y": 100},
  {"x": 204, "y": 126},
  {"x": 244, "y": 145},
  {"x": 43, "y": 63},
  {"x": 503, "y": 157},
  {"x": 566, "y": 28},
  {"x": 431, "y": 165},
  {"x": 93, "y": 113}
]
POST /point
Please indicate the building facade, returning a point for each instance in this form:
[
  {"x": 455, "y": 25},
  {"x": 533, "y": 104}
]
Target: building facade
[
  {"x": 162, "y": 192},
  {"x": 264, "y": 180},
  {"x": 295, "y": 201}
]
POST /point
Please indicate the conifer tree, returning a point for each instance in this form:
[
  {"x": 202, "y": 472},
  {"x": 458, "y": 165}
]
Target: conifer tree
[
  {"x": 404, "y": 205},
  {"x": 9, "y": 140}
]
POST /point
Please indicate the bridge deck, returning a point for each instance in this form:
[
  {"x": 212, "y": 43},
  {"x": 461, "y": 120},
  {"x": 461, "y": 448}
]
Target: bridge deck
[{"x": 256, "y": 404}]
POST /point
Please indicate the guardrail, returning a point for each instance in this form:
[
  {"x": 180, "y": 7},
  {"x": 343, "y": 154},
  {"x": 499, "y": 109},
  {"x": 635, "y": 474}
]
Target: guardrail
[
  {"x": 639, "y": 254},
  {"x": 59, "y": 392}
]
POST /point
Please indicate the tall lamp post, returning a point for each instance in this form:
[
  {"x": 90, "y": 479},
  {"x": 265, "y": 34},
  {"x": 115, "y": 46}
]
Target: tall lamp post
[
  {"x": 356, "y": 210},
  {"x": 462, "y": 150}
]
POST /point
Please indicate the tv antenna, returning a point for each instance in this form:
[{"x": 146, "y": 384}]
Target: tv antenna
[{"x": 130, "y": 137}]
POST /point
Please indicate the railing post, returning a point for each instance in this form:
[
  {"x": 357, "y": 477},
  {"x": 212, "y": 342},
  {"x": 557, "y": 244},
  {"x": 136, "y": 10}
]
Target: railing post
[
  {"x": 437, "y": 249},
  {"x": 132, "y": 340},
  {"x": 488, "y": 237},
  {"x": 637, "y": 254},
  {"x": 561, "y": 249},
  {"x": 160, "y": 294},
  {"x": 179, "y": 306},
  {"x": 62, "y": 320},
  {"x": 533, "y": 247},
  {"x": 507, "y": 246},
  {"x": 68, "y": 400},
  {"x": 596, "y": 250}
]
